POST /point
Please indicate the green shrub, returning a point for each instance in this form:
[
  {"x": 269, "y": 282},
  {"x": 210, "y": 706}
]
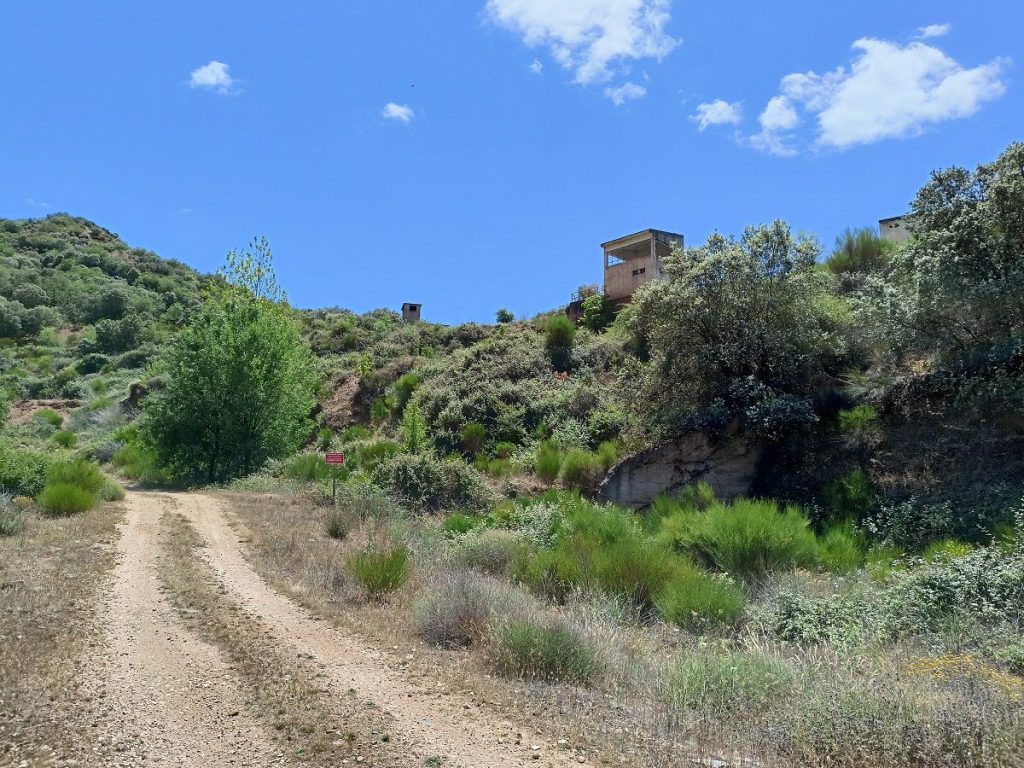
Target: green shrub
[
  {"x": 836, "y": 619},
  {"x": 138, "y": 463},
  {"x": 694, "y": 598},
  {"x": 559, "y": 334},
  {"x": 307, "y": 468},
  {"x": 339, "y": 525},
  {"x": 543, "y": 649},
  {"x": 354, "y": 433},
  {"x": 608, "y": 453},
  {"x": 634, "y": 568},
  {"x": 554, "y": 573},
  {"x": 404, "y": 388},
  {"x": 915, "y": 522},
  {"x": 504, "y": 450},
  {"x": 91, "y": 363},
  {"x": 491, "y": 550},
  {"x": 427, "y": 483},
  {"x": 324, "y": 438},
  {"x": 22, "y": 472},
  {"x": 49, "y": 416},
  {"x": 372, "y": 454},
  {"x": 64, "y": 499},
  {"x": 948, "y": 549},
  {"x": 747, "y": 538},
  {"x": 473, "y": 437},
  {"x": 459, "y": 523},
  {"x": 849, "y": 496},
  {"x": 494, "y": 467},
  {"x": 65, "y": 439},
  {"x": 581, "y": 469},
  {"x": 80, "y": 472},
  {"x": 841, "y": 548},
  {"x": 548, "y": 462},
  {"x": 504, "y": 317},
  {"x": 380, "y": 571},
  {"x": 729, "y": 683}
]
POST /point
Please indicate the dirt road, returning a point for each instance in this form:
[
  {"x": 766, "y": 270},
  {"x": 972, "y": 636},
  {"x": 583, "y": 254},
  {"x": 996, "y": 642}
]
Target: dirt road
[{"x": 170, "y": 698}]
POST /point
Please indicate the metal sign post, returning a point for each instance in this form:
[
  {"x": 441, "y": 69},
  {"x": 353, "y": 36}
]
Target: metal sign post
[{"x": 334, "y": 460}]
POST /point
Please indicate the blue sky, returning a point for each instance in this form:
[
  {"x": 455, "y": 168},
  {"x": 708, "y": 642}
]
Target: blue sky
[{"x": 471, "y": 155}]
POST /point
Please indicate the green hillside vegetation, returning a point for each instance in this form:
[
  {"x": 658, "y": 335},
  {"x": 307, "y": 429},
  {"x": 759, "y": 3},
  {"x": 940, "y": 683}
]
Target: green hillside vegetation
[{"x": 875, "y": 575}]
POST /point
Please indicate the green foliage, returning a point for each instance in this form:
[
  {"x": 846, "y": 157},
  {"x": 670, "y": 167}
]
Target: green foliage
[
  {"x": 64, "y": 500},
  {"x": 138, "y": 462},
  {"x": 548, "y": 462},
  {"x": 581, "y": 469},
  {"x": 373, "y": 453},
  {"x": 504, "y": 317},
  {"x": 64, "y": 439},
  {"x": 491, "y": 550},
  {"x": 737, "y": 328},
  {"x": 694, "y": 598},
  {"x": 859, "y": 251},
  {"x": 597, "y": 312},
  {"x": 241, "y": 382},
  {"x": 543, "y": 649},
  {"x": 404, "y": 388},
  {"x": 457, "y": 612},
  {"x": 427, "y": 483},
  {"x": 608, "y": 453},
  {"x": 307, "y": 468},
  {"x": 734, "y": 682},
  {"x": 835, "y": 620},
  {"x": 379, "y": 571},
  {"x": 559, "y": 334},
  {"x": 459, "y": 523},
  {"x": 413, "y": 428},
  {"x": 473, "y": 437},
  {"x": 49, "y": 416},
  {"x": 747, "y": 538},
  {"x": 841, "y": 548},
  {"x": 959, "y": 282},
  {"x": 915, "y": 522},
  {"x": 22, "y": 472},
  {"x": 849, "y": 496}
]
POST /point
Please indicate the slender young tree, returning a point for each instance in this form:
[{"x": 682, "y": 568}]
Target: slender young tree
[{"x": 241, "y": 382}]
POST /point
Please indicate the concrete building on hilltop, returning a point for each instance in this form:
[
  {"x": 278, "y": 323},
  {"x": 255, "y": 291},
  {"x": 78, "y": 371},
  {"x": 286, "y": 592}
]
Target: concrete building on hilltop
[
  {"x": 631, "y": 261},
  {"x": 411, "y": 312},
  {"x": 893, "y": 229}
]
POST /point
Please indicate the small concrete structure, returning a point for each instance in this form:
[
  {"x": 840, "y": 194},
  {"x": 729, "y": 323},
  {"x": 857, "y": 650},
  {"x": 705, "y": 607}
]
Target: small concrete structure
[
  {"x": 411, "y": 312},
  {"x": 893, "y": 229},
  {"x": 631, "y": 261}
]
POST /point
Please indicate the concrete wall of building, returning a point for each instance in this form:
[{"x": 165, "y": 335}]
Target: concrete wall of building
[
  {"x": 894, "y": 230},
  {"x": 411, "y": 312},
  {"x": 622, "y": 279}
]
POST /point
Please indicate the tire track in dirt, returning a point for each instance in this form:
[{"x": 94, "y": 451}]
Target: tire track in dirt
[
  {"x": 161, "y": 696},
  {"x": 428, "y": 724}
]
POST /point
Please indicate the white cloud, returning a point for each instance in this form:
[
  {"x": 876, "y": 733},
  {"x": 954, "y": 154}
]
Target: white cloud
[
  {"x": 889, "y": 91},
  {"x": 213, "y": 76},
  {"x": 536, "y": 66},
  {"x": 934, "y": 30},
  {"x": 620, "y": 94},
  {"x": 399, "y": 112},
  {"x": 589, "y": 37},
  {"x": 717, "y": 112}
]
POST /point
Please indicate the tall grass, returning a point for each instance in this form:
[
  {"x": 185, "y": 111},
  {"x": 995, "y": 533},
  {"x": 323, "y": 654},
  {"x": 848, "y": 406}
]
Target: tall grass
[
  {"x": 380, "y": 571},
  {"x": 545, "y": 649},
  {"x": 548, "y": 462}
]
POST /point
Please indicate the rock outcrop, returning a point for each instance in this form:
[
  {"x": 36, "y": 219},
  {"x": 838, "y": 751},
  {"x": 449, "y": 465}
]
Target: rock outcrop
[{"x": 728, "y": 464}]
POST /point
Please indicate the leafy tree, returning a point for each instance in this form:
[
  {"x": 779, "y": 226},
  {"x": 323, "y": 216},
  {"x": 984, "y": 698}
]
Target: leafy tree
[
  {"x": 114, "y": 336},
  {"x": 31, "y": 295},
  {"x": 737, "y": 328},
  {"x": 240, "y": 381},
  {"x": 559, "y": 333},
  {"x": 504, "y": 316},
  {"x": 958, "y": 284},
  {"x": 10, "y": 319}
]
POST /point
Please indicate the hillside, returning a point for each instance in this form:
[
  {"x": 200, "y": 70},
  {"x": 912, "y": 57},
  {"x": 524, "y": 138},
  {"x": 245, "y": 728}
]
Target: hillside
[{"x": 827, "y": 567}]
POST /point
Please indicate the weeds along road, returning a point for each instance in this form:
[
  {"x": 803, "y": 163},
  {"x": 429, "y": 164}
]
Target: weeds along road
[{"x": 172, "y": 690}]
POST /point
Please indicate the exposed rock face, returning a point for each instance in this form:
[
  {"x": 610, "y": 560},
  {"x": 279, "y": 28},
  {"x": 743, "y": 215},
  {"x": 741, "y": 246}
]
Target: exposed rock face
[{"x": 727, "y": 464}]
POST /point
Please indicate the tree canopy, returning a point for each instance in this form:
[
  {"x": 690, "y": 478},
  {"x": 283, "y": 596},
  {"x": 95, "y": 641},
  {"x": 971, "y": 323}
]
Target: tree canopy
[{"x": 240, "y": 380}]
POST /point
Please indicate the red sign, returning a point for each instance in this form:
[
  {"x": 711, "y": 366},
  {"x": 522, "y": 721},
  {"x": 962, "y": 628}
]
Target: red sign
[{"x": 334, "y": 458}]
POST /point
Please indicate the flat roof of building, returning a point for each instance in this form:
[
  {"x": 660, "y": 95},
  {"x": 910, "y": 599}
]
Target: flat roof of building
[{"x": 655, "y": 232}]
